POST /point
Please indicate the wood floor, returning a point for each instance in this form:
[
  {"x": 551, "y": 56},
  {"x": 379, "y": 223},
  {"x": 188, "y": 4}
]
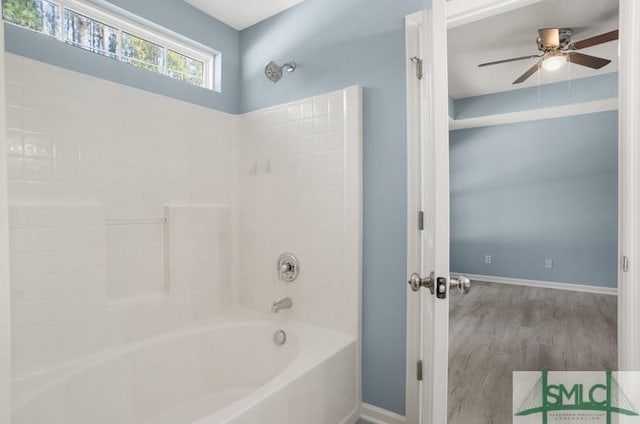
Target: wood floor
[{"x": 499, "y": 328}]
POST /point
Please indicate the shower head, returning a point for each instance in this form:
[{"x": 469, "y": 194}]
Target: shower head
[{"x": 274, "y": 72}]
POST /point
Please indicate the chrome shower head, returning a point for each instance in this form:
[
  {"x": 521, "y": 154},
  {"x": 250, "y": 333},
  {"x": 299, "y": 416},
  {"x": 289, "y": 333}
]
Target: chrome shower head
[{"x": 274, "y": 72}]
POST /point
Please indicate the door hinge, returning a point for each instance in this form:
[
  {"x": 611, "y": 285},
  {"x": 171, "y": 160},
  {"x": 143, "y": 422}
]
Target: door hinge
[
  {"x": 625, "y": 264},
  {"x": 419, "y": 370},
  {"x": 421, "y": 220},
  {"x": 418, "y": 62}
]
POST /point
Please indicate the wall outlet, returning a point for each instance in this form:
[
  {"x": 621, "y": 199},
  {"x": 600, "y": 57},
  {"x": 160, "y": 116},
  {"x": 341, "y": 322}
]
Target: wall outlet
[
  {"x": 487, "y": 259},
  {"x": 548, "y": 263}
]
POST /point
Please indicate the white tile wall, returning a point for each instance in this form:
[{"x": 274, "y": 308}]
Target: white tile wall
[
  {"x": 135, "y": 260},
  {"x": 199, "y": 244},
  {"x": 290, "y": 164},
  {"x": 84, "y": 152},
  {"x": 58, "y": 268}
]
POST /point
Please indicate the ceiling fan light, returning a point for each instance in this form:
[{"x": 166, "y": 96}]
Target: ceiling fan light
[{"x": 554, "y": 62}]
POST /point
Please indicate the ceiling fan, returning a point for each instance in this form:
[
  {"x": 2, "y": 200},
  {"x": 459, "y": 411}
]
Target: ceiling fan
[{"x": 557, "y": 48}]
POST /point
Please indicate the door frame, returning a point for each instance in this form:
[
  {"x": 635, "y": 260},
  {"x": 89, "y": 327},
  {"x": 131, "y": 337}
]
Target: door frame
[
  {"x": 413, "y": 37},
  {"x": 460, "y": 12},
  {"x": 629, "y": 187},
  {"x": 427, "y": 343}
]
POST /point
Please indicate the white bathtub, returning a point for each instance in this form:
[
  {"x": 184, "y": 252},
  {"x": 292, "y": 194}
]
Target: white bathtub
[{"x": 215, "y": 373}]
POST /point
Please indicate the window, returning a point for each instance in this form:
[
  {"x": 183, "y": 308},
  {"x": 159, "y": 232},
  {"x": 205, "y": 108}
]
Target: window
[
  {"x": 90, "y": 34},
  {"x": 142, "y": 53},
  {"x": 112, "y": 35},
  {"x": 185, "y": 68}
]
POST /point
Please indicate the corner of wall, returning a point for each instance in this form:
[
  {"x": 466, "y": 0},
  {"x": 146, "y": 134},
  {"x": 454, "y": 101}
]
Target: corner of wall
[{"x": 5, "y": 295}]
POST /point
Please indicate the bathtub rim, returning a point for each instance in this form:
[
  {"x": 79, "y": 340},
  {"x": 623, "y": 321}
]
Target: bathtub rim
[{"x": 298, "y": 333}]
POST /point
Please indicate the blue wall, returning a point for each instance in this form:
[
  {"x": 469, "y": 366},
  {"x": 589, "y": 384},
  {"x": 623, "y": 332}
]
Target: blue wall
[
  {"x": 338, "y": 43},
  {"x": 174, "y": 15},
  {"x": 558, "y": 94},
  {"x": 526, "y": 192}
]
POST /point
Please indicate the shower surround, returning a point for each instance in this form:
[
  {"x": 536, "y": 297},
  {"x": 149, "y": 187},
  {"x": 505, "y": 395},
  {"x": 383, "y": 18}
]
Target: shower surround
[{"x": 134, "y": 217}]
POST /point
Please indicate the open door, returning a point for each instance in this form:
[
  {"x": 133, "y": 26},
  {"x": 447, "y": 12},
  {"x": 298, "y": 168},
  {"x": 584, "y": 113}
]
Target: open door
[
  {"x": 428, "y": 197},
  {"x": 428, "y": 218}
]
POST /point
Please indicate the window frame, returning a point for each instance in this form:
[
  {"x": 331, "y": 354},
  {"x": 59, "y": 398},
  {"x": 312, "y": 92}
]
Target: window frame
[{"x": 126, "y": 22}]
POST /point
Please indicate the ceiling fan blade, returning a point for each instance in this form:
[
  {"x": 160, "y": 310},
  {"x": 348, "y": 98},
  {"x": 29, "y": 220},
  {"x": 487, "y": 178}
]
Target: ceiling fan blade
[
  {"x": 588, "y": 61},
  {"x": 598, "y": 39},
  {"x": 550, "y": 37},
  {"x": 527, "y": 74},
  {"x": 497, "y": 62}
]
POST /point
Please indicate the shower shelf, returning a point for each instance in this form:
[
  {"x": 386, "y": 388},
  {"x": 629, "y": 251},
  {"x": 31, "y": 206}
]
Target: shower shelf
[{"x": 153, "y": 234}]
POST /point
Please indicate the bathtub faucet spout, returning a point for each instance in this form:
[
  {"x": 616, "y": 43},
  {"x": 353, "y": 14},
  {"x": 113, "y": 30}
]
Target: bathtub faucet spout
[{"x": 285, "y": 303}]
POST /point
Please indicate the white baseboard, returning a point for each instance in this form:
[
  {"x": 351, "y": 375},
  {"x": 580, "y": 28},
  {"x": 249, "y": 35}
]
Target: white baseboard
[
  {"x": 542, "y": 284},
  {"x": 353, "y": 417},
  {"x": 376, "y": 415}
]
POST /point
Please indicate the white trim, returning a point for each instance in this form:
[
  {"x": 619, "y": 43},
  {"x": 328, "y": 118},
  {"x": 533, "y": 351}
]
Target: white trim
[
  {"x": 5, "y": 298},
  {"x": 376, "y": 415},
  {"x": 413, "y": 20},
  {"x": 353, "y": 221},
  {"x": 629, "y": 186},
  {"x": 435, "y": 204},
  {"x": 462, "y": 12},
  {"x": 353, "y": 417},
  {"x": 413, "y": 37},
  {"x": 535, "y": 114},
  {"x": 428, "y": 190},
  {"x": 585, "y": 288}
]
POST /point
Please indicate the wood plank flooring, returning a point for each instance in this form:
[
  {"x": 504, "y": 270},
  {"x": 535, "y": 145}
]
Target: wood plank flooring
[{"x": 500, "y": 328}]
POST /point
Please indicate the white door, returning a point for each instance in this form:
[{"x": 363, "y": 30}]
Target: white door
[
  {"x": 434, "y": 239},
  {"x": 428, "y": 217}
]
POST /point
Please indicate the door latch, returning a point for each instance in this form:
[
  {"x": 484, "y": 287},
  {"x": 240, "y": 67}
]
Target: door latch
[{"x": 442, "y": 285}]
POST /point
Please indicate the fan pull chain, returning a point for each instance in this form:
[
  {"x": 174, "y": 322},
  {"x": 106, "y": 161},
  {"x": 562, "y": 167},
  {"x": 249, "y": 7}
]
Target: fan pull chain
[
  {"x": 569, "y": 94},
  {"x": 539, "y": 69}
]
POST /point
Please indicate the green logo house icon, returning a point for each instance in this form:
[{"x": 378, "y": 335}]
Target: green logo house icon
[{"x": 606, "y": 397}]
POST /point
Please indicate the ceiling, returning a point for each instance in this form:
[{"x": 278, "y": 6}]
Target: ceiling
[
  {"x": 513, "y": 34},
  {"x": 241, "y": 14}
]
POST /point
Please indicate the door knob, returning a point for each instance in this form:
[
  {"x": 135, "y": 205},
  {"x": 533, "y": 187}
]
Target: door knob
[
  {"x": 417, "y": 282},
  {"x": 462, "y": 283}
]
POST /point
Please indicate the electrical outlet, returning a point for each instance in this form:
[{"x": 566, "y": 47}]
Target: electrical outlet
[
  {"x": 548, "y": 263},
  {"x": 487, "y": 259}
]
